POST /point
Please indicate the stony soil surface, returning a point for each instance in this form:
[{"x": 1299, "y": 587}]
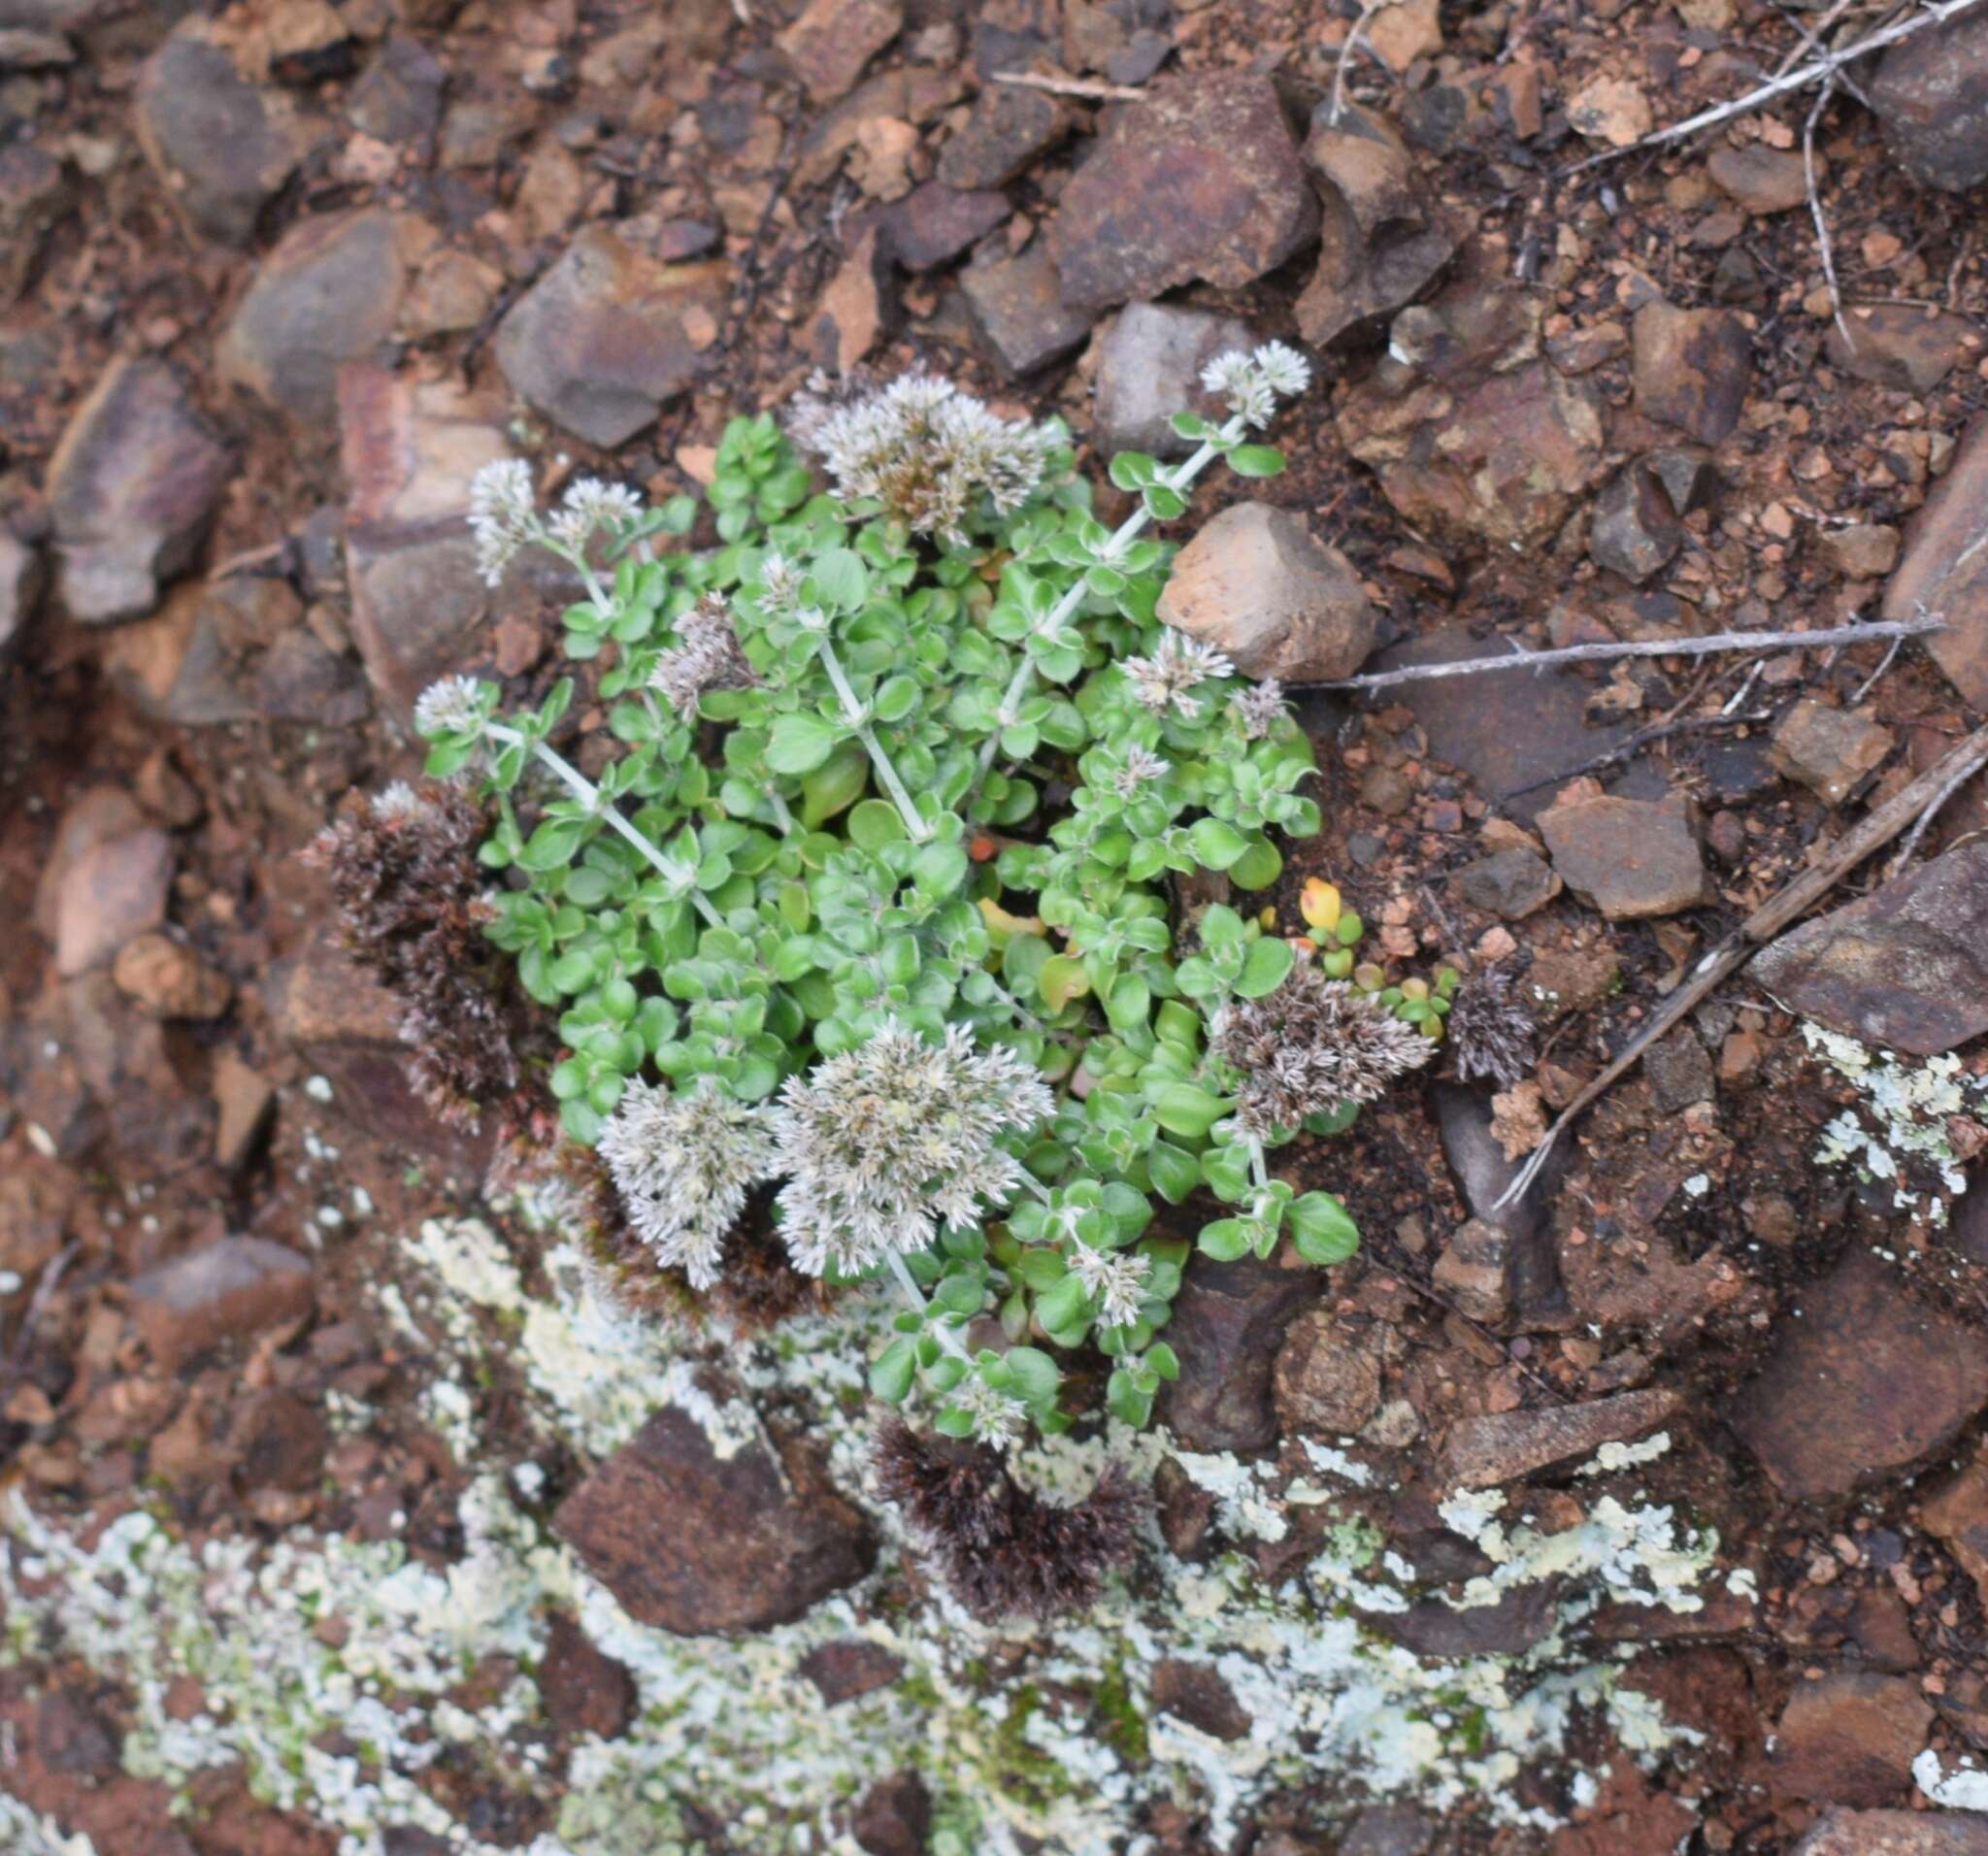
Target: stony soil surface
[{"x": 1649, "y": 1515}]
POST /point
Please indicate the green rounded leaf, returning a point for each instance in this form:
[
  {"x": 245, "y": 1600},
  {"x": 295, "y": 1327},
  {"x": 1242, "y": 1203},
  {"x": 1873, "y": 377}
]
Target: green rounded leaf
[
  {"x": 799, "y": 744},
  {"x": 1322, "y": 1231},
  {"x": 1265, "y": 966}
]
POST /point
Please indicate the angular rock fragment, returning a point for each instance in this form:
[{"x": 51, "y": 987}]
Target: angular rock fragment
[
  {"x": 231, "y": 1288},
  {"x": 1907, "y": 350},
  {"x": 1931, "y": 93},
  {"x": 1017, "y": 308},
  {"x": 1904, "y": 968},
  {"x": 1762, "y": 180},
  {"x": 1501, "y": 1446},
  {"x": 1898, "y": 1833},
  {"x": 1829, "y": 749},
  {"x": 1258, "y": 584},
  {"x": 694, "y": 1539},
  {"x": 1629, "y": 858},
  {"x": 1229, "y": 1322},
  {"x": 1635, "y": 531},
  {"x": 1201, "y": 178},
  {"x": 1327, "y": 1379},
  {"x": 1955, "y": 1511},
  {"x": 1692, "y": 369},
  {"x": 1850, "y": 1738},
  {"x": 132, "y": 486},
  {"x": 833, "y": 40},
  {"x": 608, "y": 335},
  {"x": 115, "y": 891},
  {"x": 1945, "y": 568},
  {"x": 1149, "y": 368},
  {"x": 1474, "y": 1270},
  {"x": 934, "y": 223},
  {"x": 1009, "y": 126}
]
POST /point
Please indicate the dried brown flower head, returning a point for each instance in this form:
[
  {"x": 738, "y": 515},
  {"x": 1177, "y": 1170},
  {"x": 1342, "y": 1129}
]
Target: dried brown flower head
[{"x": 1491, "y": 1032}]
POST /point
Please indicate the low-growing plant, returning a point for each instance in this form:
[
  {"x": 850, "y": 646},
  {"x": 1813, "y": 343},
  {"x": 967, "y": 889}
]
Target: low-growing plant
[{"x": 874, "y": 894}]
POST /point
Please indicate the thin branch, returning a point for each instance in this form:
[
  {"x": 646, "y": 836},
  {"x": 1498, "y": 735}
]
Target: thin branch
[
  {"x": 1634, "y": 744},
  {"x": 1961, "y": 776},
  {"x": 1090, "y": 89},
  {"x": 1345, "y": 59},
  {"x": 1815, "y": 213},
  {"x": 1636, "y": 648},
  {"x": 1795, "y": 899},
  {"x": 1799, "y": 79}
]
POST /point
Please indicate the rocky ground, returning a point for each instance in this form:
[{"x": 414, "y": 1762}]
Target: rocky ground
[{"x": 1650, "y": 1514}]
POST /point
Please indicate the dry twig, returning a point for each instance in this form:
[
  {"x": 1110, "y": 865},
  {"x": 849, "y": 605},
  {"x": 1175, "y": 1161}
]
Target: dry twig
[
  {"x": 1345, "y": 59},
  {"x": 1795, "y": 899},
  {"x": 1961, "y": 776},
  {"x": 1089, "y": 88},
  {"x": 1522, "y": 659},
  {"x": 1815, "y": 212}
]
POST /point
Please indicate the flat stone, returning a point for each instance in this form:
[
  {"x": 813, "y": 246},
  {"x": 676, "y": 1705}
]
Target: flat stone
[
  {"x": 833, "y": 40},
  {"x": 1229, "y": 1322},
  {"x": 1901, "y": 1832},
  {"x": 453, "y": 290},
  {"x": 1862, "y": 551},
  {"x": 1635, "y": 531},
  {"x": 1432, "y": 1627},
  {"x": 1680, "y": 1069},
  {"x": 1904, "y": 968},
  {"x": 1011, "y": 125},
  {"x": 329, "y": 294},
  {"x": 1691, "y": 368},
  {"x": 1509, "y": 884},
  {"x": 1149, "y": 365},
  {"x": 1762, "y": 180},
  {"x": 244, "y": 1103},
  {"x": 1200, "y": 178},
  {"x": 1945, "y": 568},
  {"x": 170, "y": 980},
  {"x": 399, "y": 97},
  {"x": 1955, "y": 1513},
  {"x": 1018, "y": 311},
  {"x": 1868, "y": 1381},
  {"x": 1195, "y": 1692},
  {"x": 1829, "y": 750},
  {"x": 1909, "y": 350},
  {"x": 115, "y": 891},
  {"x": 849, "y": 1668},
  {"x": 1327, "y": 1377},
  {"x": 1501, "y": 1446},
  {"x": 36, "y": 193},
  {"x": 1628, "y": 858},
  {"x": 1850, "y": 1738},
  {"x": 1474, "y": 1270},
  {"x": 133, "y": 485},
  {"x": 1931, "y": 93},
  {"x": 695, "y": 1541},
  {"x": 608, "y": 337},
  {"x": 586, "y": 1691},
  {"x": 1258, "y": 584},
  {"x": 175, "y": 667},
  {"x": 934, "y": 223},
  {"x": 226, "y": 1290},
  {"x": 220, "y": 145}
]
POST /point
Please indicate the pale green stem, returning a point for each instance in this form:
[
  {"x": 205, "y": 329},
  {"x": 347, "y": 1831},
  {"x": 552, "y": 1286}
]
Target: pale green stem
[
  {"x": 589, "y": 795},
  {"x": 915, "y": 1296},
  {"x": 781, "y": 817},
  {"x": 1127, "y": 532},
  {"x": 855, "y": 714},
  {"x": 1259, "y": 1170},
  {"x": 1014, "y": 1005}
]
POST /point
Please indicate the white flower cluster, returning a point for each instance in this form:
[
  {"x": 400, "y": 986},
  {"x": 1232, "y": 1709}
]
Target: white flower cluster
[
  {"x": 1139, "y": 766},
  {"x": 504, "y": 514},
  {"x": 1117, "y": 1278},
  {"x": 883, "y": 1144},
  {"x": 1171, "y": 674},
  {"x": 706, "y": 657},
  {"x": 1258, "y": 707},
  {"x": 927, "y": 453},
  {"x": 1252, "y": 382},
  {"x": 684, "y": 1165},
  {"x": 448, "y": 705}
]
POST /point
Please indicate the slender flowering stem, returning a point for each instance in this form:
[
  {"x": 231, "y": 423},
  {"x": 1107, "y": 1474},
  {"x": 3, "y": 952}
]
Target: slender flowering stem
[
  {"x": 1127, "y": 532},
  {"x": 781, "y": 817},
  {"x": 589, "y": 795},
  {"x": 857, "y": 717},
  {"x": 915, "y": 1296}
]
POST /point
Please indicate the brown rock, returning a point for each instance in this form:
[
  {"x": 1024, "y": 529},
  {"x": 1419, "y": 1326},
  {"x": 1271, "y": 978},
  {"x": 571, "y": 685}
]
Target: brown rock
[
  {"x": 1611, "y": 110},
  {"x": 1829, "y": 749},
  {"x": 1863, "y": 551},
  {"x": 1869, "y": 1380},
  {"x": 1509, "y": 884},
  {"x": 1258, "y": 586},
  {"x": 1635, "y": 531},
  {"x": 279, "y": 1442},
  {"x": 1692, "y": 368},
  {"x": 934, "y": 223},
  {"x": 586, "y": 1691},
  {"x": 849, "y": 1668},
  {"x": 1009, "y": 126},
  {"x": 453, "y": 290},
  {"x": 696, "y": 1541},
  {"x": 116, "y": 890},
  {"x": 132, "y": 486},
  {"x": 1629, "y": 858},
  {"x": 1017, "y": 309},
  {"x": 1327, "y": 1377},
  {"x": 1229, "y": 1322},
  {"x": 894, "y": 1818},
  {"x": 1945, "y": 568},
  {"x": 1931, "y": 93},
  {"x": 1851, "y": 1739},
  {"x": 1956, "y": 1512},
  {"x": 1909, "y": 350},
  {"x": 1482, "y": 1452},
  {"x": 327, "y": 295},
  {"x": 1195, "y": 1693},
  {"x": 1762, "y": 180},
  {"x": 1200, "y": 179},
  {"x": 608, "y": 335},
  {"x": 168, "y": 980},
  {"x": 1905, "y": 967},
  {"x": 221, "y": 145},
  {"x": 833, "y": 40},
  {"x": 1474, "y": 1270},
  {"x": 1900, "y": 1833},
  {"x": 227, "y": 1291},
  {"x": 243, "y": 1102}
]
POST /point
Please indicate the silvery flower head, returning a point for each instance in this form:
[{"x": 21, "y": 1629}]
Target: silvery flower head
[
  {"x": 1252, "y": 382},
  {"x": 503, "y": 515},
  {"x": 684, "y": 1165},
  {"x": 707, "y": 657},
  {"x": 1140, "y": 765},
  {"x": 1174, "y": 671},
  {"x": 927, "y": 452},
  {"x": 590, "y": 504},
  {"x": 1117, "y": 1278},
  {"x": 1258, "y": 707},
  {"x": 448, "y": 705},
  {"x": 996, "y": 1417},
  {"x": 886, "y": 1142},
  {"x": 779, "y": 584}
]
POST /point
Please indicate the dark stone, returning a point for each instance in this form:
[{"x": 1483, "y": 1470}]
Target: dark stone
[
  {"x": 585, "y": 1690},
  {"x": 1903, "y": 349},
  {"x": 1945, "y": 568},
  {"x": 299, "y": 681},
  {"x": 399, "y": 99},
  {"x": 279, "y": 1442},
  {"x": 36, "y": 192},
  {"x": 1482, "y": 1172},
  {"x": 1635, "y": 531},
  {"x": 1501, "y": 1446},
  {"x": 1850, "y": 1738},
  {"x": 1628, "y": 858},
  {"x": 1388, "y": 1830},
  {"x": 1931, "y": 93},
  {"x": 849, "y": 1668},
  {"x": 895, "y": 1817},
  {"x": 695, "y": 1542},
  {"x": 1194, "y": 1693},
  {"x": 1201, "y": 178},
  {"x": 1692, "y": 369},
  {"x": 1509, "y": 884},
  {"x": 1905, "y": 967},
  {"x": 1898, "y": 1833},
  {"x": 1149, "y": 367},
  {"x": 1869, "y": 1380},
  {"x": 1434, "y": 1627},
  {"x": 934, "y": 223},
  {"x": 72, "y": 1738},
  {"x": 230, "y": 1288},
  {"x": 1228, "y": 1323},
  {"x": 1679, "y": 1070},
  {"x": 1009, "y": 126},
  {"x": 1017, "y": 308}
]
